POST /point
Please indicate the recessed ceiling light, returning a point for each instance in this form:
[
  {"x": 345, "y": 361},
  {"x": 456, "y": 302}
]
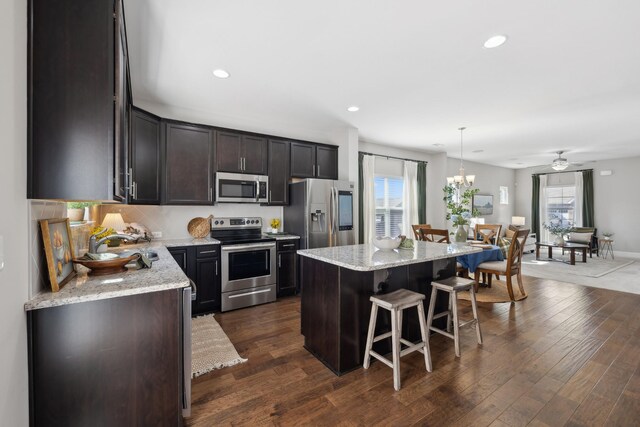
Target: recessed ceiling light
[
  {"x": 353, "y": 108},
  {"x": 495, "y": 41},
  {"x": 478, "y": 151},
  {"x": 438, "y": 145},
  {"x": 519, "y": 163},
  {"x": 221, "y": 74}
]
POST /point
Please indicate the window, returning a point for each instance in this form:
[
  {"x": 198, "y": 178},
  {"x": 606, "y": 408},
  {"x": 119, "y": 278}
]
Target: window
[
  {"x": 561, "y": 203},
  {"x": 389, "y": 210}
]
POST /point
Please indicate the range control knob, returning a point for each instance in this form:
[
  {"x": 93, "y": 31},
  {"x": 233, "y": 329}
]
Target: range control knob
[
  {"x": 216, "y": 222},
  {"x": 221, "y": 222}
]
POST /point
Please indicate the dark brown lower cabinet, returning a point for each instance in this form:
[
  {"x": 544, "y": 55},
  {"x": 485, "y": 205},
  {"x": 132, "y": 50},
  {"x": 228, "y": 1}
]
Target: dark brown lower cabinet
[
  {"x": 201, "y": 264},
  {"x": 287, "y": 276},
  {"x": 112, "y": 362}
]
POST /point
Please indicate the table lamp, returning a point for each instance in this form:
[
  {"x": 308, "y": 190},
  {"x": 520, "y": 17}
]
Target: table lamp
[
  {"x": 115, "y": 221},
  {"x": 518, "y": 221}
]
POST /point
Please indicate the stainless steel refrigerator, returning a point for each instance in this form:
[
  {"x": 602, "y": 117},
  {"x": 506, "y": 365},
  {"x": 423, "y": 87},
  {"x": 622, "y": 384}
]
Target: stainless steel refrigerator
[{"x": 320, "y": 211}]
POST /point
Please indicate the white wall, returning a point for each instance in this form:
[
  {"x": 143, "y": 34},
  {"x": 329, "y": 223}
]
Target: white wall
[
  {"x": 489, "y": 179},
  {"x": 616, "y": 203},
  {"x": 13, "y": 215}
]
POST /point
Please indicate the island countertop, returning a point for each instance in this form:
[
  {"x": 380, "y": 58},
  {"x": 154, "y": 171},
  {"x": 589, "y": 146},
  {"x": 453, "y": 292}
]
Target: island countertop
[
  {"x": 367, "y": 257},
  {"x": 164, "y": 274}
]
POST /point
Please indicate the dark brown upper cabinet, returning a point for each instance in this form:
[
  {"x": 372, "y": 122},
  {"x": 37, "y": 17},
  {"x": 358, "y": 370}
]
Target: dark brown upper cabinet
[
  {"x": 188, "y": 164},
  {"x": 239, "y": 153},
  {"x": 326, "y": 162},
  {"x": 144, "y": 160},
  {"x": 78, "y": 100},
  {"x": 278, "y": 172},
  {"x": 314, "y": 161}
]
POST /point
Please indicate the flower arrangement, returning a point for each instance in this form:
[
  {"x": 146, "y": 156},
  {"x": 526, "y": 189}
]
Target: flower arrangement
[
  {"x": 101, "y": 232},
  {"x": 459, "y": 205},
  {"x": 557, "y": 227},
  {"x": 275, "y": 223}
]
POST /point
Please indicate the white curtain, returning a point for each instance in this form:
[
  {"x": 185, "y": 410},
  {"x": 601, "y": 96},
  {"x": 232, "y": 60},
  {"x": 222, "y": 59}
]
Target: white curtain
[
  {"x": 368, "y": 198},
  {"x": 410, "y": 197},
  {"x": 577, "y": 213},
  {"x": 544, "y": 234}
]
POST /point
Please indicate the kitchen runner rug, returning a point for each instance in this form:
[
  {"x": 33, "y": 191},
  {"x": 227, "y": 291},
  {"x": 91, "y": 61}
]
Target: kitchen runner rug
[{"x": 210, "y": 347}]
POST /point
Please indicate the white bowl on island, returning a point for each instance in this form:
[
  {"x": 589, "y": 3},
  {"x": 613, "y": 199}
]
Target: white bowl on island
[{"x": 386, "y": 243}]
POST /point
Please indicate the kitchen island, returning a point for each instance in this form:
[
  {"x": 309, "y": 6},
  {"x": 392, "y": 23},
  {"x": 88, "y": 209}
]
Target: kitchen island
[{"x": 336, "y": 284}]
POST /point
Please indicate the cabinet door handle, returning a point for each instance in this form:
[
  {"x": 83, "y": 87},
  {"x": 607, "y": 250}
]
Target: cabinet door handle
[
  {"x": 288, "y": 245},
  {"x": 210, "y": 194},
  {"x": 244, "y": 163},
  {"x": 208, "y": 252},
  {"x": 216, "y": 267},
  {"x": 269, "y": 196},
  {"x": 314, "y": 170},
  {"x": 279, "y": 260},
  {"x": 134, "y": 190},
  {"x": 318, "y": 170},
  {"x": 240, "y": 163}
]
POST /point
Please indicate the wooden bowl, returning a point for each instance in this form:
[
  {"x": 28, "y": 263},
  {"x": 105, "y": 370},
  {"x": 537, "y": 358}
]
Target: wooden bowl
[{"x": 106, "y": 266}]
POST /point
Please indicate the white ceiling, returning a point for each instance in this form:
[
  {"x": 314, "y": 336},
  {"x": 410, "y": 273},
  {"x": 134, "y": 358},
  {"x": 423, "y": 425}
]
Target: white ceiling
[{"x": 568, "y": 77}]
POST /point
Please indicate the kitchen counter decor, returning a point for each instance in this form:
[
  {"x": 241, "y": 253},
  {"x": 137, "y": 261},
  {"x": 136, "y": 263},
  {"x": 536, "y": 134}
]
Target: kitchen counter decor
[
  {"x": 105, "y": 263},
  {"x": 56, "y": 236},
  {"x": 200, "y": 227}
]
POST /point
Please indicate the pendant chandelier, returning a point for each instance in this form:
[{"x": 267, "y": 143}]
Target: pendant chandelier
[{"x": 461, "y": 180}]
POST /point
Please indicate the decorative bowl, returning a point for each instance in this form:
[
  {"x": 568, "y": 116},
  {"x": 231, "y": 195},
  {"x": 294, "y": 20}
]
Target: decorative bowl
[
  {"x": 386, "y": 243},
  {"x": 107, "y": 264}
]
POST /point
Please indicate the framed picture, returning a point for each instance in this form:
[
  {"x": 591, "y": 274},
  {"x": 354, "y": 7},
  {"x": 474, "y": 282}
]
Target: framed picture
[
  {"x": 483, "y": 203},
  {"x": 56, "y": 236},
  {"x": 504, "y": 195}
]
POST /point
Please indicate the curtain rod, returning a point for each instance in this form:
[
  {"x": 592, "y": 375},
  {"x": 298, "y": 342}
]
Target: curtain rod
[
  {"x": 393, "y": 157},
  {"x": 553, "y": 173}
]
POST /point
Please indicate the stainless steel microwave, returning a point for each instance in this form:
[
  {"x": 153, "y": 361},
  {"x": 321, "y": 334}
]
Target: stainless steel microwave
[{"x": 241, "y": 188}]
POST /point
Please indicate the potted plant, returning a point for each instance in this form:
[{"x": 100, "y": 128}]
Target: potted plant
[
  {"x": 558, "y": 228},
  {"x": 275, "y": 225},
  {"x": 76, "y": 210},
  {"x": 459, "y": 209}
]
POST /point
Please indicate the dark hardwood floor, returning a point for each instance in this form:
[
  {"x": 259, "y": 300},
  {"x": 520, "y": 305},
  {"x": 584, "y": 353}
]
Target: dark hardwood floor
[{"x": 567, "y": 355}]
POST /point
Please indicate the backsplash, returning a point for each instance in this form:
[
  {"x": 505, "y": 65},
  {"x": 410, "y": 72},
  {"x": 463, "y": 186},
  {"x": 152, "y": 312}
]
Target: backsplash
[{"x": 172, "y": 220}]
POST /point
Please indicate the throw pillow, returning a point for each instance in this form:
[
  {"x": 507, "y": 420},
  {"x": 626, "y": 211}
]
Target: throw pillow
[
  {"x": 503, "y": 244},
  {"x": 580, "y": 238}
]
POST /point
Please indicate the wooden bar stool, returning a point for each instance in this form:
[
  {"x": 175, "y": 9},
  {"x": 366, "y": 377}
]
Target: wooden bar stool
[
  {"x": 395, "y": 302},
  {"x": 453, "y": 285}
]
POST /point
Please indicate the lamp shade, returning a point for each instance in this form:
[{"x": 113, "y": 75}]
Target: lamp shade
[
  {"x": 517, "y": 220},
  {"x": 115, "y": 221}
]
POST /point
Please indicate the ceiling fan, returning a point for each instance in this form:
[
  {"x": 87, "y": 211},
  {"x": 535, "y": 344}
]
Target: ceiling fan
[{"x": 561, "y": 163}]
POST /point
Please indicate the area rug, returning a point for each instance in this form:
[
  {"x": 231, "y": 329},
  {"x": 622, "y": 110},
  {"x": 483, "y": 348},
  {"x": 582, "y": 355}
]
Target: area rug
[
  {"x": 496, "y": 293},
  {"x": 594, "y": 267},
  {"x": 210, "y": 347}
]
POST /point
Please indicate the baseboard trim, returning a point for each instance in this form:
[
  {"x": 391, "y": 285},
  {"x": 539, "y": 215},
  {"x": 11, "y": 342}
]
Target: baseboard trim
[{"x": 634, "y": 255}]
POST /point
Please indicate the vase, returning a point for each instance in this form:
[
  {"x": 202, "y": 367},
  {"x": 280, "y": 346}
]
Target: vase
[
  {"x": 461, "y": 235},
  {"x": 274, "y": 230},
  {"x": 559, "y": 240}
]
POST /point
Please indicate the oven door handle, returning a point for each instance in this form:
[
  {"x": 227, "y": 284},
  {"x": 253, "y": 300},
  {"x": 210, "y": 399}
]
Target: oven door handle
[{"x": 233, "y": 248}]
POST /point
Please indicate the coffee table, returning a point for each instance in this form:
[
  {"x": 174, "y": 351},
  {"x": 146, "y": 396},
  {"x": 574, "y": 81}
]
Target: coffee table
[{"x": 571, "y": 247}]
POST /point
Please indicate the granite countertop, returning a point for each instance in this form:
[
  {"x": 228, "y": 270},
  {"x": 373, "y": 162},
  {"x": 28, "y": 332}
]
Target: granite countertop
[
  {"x": 189, "y": 241},
  {"x": 163, "y": 275},
  {"x": 368, "y": 257}
]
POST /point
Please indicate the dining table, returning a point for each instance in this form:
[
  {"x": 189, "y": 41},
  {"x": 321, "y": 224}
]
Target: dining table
[{"x": 472, "y": 261}]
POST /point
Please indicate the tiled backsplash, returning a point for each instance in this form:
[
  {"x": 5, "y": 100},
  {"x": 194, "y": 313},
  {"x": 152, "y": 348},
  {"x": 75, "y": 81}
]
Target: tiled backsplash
[{"x": 172, "y": 220}]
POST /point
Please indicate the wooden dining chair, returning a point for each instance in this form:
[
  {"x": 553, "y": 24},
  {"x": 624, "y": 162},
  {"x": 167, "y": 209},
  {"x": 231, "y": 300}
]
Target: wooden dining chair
[
  {"x": 509, "y": 267},
  {"x": 488, "y": 232},
  {"x": 417, "y": 228},
  {"x": 435, "y": 235}
]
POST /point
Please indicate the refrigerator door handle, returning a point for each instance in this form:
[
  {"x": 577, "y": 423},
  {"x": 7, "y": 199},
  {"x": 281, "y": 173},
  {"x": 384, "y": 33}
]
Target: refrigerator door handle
[{"x": 334, "y": 214}]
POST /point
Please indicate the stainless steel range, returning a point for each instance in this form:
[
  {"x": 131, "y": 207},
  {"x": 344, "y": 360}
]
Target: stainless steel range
[{"x": 248, "y": 262}]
